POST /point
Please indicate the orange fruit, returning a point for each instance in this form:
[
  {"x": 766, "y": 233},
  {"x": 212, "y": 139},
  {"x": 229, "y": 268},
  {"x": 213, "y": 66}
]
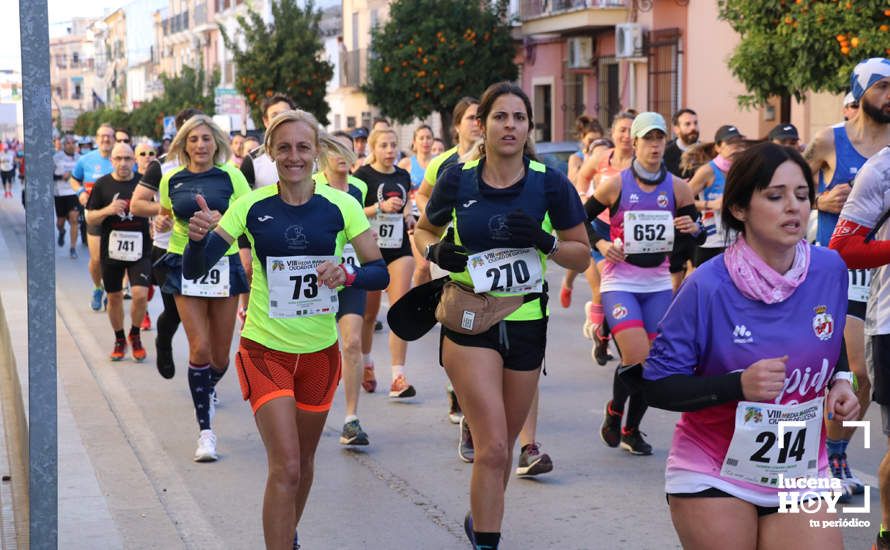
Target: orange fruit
[
  {"x": 788, "y": 20},
  {"x": 854, "y": 42},
  {"x": 845, "y": 50},
  {"x": 884, "y": 28},
  {"x": 840, "y": 38}
]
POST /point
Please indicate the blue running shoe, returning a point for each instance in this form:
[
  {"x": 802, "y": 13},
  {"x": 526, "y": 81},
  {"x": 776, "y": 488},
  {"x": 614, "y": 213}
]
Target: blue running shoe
[
  {"x": 96, "y": 302},
  {"x": 468, "y": 529}
]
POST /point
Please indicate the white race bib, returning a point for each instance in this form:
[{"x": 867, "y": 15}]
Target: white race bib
[
  {"x": 125, "y": 246},
  {"x": 213, "y": 284},
  {"x": 294, "y": 290},
  {"x": 389, "y": 228},
  {"x": 648, "y": 231},
  {"x": 754, "y": 454},
  {"x": 510, "y": 270},
  {"x": 349, "y": 256},
  {"x": 860, "y": 281}
]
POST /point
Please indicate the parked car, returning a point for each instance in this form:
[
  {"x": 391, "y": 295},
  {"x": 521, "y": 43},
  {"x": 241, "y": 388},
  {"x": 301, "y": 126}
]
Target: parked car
[{"x": 555, "y": 154}]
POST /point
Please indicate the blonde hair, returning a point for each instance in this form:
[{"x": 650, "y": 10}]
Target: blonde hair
[
  {"x": 326, "y": 144},
  {"x": 177, "y": 146},
  {"x": 372, "y": 142}
]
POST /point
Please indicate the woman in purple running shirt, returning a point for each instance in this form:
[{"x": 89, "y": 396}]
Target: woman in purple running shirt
[{"x": 753, "y": 338}]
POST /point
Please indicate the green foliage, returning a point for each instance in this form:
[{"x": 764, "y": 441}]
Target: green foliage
[
  {"x": 87, "y": 123},
  {"x": 190, "y": 89},
  {"x": 282, "y": 57},
  {"x": 433, "y": 52},
  {"x": 790, "y": 47}
]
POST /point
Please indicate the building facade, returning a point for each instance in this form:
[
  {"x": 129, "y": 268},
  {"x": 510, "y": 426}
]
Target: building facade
[
  {"x": 76, "y": 87},
  {"x": 598, "y": 57}
]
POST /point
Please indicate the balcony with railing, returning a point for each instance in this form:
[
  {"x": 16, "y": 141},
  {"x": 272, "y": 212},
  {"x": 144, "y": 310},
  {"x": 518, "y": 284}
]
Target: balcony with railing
[
  {"x": 544, "y": 16},
  {"x": 353, "y": 67}
]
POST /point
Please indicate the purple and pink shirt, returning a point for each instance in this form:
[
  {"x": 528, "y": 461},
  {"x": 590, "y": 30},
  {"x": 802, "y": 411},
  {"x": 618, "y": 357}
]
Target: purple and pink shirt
[
  {"x": 626, "y": 277},
  {"x": 711, "y": 329}
]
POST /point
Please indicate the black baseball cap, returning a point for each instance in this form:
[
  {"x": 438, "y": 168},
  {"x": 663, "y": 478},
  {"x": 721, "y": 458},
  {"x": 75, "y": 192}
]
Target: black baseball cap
[
  {"x": 783, "y": 131},
  {"x": 727, "y": 132},
  {"x": 414, "y": 314}
]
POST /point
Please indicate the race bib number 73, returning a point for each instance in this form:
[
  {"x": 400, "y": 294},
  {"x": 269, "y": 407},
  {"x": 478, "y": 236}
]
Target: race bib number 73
[{"x": 294, "y": 288}]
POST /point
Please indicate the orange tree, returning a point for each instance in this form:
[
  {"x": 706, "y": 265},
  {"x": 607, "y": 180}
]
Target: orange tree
[
  {"x": 790, "y": 47},
  {"x": 282, "y": 56},
  {"x": 430, "y": 53}
]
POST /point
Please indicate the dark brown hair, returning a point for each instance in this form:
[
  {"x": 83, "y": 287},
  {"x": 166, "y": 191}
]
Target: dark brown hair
[
  {"x": 277, "y": 97},
  {"x": 457, "y": 115},
  {"x": 508, "y": 88},
  {"x": 752, "y": 170}
]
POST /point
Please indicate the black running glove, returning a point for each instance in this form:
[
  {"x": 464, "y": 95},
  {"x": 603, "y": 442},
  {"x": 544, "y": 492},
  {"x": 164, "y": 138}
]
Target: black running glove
[
  {"x": 448, "y": 256},
  {"x": 526, "y": 232}
]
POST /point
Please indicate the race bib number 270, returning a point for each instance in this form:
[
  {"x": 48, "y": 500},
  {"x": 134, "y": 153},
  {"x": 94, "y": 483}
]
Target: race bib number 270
[{"x": 510, "y": 270}]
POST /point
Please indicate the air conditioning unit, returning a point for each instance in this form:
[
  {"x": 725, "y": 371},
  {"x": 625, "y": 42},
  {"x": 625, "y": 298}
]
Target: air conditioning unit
[
  {"x": 628, "y": 40},
  {"x": 580, "y": 52}
]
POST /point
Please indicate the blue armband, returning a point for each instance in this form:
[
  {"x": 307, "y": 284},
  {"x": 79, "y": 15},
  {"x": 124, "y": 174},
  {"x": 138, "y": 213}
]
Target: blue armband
[
  {"x": 200, "y": 256},
  {"x": 372, "y": 276}
]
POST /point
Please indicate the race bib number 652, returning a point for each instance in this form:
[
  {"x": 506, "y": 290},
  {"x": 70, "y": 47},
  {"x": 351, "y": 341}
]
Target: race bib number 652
[{"x": 648, "y": 231}]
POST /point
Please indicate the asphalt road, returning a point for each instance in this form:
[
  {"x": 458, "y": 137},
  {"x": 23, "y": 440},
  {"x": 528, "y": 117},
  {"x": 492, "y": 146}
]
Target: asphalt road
[{"x": 408, "y": 489}]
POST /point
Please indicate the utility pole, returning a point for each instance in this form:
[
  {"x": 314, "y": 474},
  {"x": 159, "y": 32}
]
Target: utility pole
[{"x": 43, "y": 452}]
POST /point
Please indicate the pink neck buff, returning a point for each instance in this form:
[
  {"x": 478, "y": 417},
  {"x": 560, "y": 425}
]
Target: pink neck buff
[
  {"x": 758, "y": 281},
  {"x": 722, "y": 163}
]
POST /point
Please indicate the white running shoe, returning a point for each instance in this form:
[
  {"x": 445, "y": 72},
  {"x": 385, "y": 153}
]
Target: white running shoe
[
  {"x": 589, "y": 327},
  {"x": 206, "y": 451}
]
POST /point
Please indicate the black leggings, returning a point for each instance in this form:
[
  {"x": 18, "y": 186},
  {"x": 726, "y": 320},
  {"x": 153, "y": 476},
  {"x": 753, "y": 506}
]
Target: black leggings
[
  {"x": 168, "y": 321},
  {"x": 621, "y": 392},
  {"x": 637, "y": 406}
]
